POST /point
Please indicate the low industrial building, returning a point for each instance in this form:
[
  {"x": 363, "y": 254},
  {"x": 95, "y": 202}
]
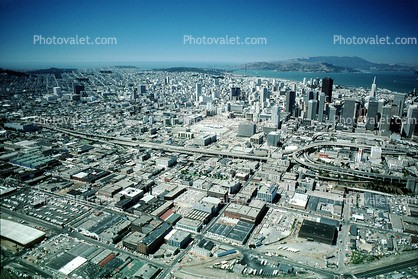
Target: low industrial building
[
  {"x": 20, "y": 234},
  {"x": 315, "y": 231},
  {"x": 223, "y": 251},
  {"x": 131, "y": 242},
  {"x": 148, "y": 271},
  {"x": 189, "y": 225},
  {"x": 89, "y": 175},
  {"x": 154, "y": 239},
  {"x": 247, "y": 213},
  {"x": 178, "y": 238},
  {"x": 203, "y": 248},
  {"x": 205, "y": 140},
  {"x": 166, "y": 161}
]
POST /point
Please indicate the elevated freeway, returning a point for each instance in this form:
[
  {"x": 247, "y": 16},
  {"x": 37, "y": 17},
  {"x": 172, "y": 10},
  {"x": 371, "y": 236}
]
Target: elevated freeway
[{"x": 157, "y": 146}]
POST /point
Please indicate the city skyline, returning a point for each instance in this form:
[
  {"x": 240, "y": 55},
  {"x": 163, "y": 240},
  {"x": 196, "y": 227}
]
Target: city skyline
[{"x": 161, "y": 32}]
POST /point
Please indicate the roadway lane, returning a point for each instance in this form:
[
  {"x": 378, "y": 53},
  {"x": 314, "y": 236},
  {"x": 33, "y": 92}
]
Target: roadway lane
[{"x": 386, "y": 269}]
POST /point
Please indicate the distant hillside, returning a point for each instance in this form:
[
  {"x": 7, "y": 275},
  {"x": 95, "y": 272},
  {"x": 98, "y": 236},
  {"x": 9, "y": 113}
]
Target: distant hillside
[
  {"x": 196, "y": 70},
  {"x": 357, "y": 63},
  {"x": 126, "y": 67},
  {"x": 296, "y": 66},
  {"x": 327, "y": 64},
  {"x": 54, "y": 71},
  {"x": 12, "y": 73}
]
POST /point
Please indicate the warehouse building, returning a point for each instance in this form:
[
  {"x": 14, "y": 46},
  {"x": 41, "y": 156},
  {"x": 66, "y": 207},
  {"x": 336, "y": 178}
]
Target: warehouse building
[
  {"x": 251, "y": 213},
  {"x": 89, "y": 175},
  {"x": 20, "y": 234},
  {"x": 27, "y": 127},
  {"x": 131, "y": 242},
  {"x": 138, "y": 223},
  {"x": 166, "y": 161},
  {"x": 189, "y": 225},
  {"x": 203, "y": 248},
  {"x": 33, "y": 161},
  {"x": 178, "y": 238},
  {"x": 116, "y": 232},
  {"x": 148, "y": 271},
  {"x": 205, "y": 140},
  {"x": 223, "y": 251},
  {"x": 315, "y": 231},
  {"x": 208, "y": 204},
  {"x": 154, "y": 239}
]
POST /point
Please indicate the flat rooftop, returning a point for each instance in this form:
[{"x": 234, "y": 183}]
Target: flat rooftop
[{"x": 19, "y": 233}]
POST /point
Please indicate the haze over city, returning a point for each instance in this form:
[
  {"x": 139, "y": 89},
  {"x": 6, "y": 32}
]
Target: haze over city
[{"x": 154, "y": 31}]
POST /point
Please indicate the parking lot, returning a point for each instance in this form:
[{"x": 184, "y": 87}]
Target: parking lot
[
  {"x": 55, "y": 210},
  {"x": 278, "y": 224}
]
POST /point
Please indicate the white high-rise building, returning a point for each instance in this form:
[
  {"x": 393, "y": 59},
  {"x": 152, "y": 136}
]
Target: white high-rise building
[
  {"x": 263, "y": 94},
  {"x": 275, "y": 116},
  {"x": 57, "y": 91},
  {"x": 373, "y": 90},
  {"x": 412, "y": 121},
  {"x": 312, "y": 107}
]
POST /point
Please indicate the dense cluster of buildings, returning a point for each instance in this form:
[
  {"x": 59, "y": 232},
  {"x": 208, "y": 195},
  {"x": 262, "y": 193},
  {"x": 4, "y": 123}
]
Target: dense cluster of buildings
[{"x": 162, "y": 158}]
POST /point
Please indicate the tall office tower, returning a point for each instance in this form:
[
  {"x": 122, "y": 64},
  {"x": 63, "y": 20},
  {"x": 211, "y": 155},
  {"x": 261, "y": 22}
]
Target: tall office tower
[
  {"x": 257, "y": 108},
  {"x": 290, "y": 102},
  {"x": 384, "y": 124},
  {"x": 198, "y": 91},
  {"x": 309, "y": 96},
  {"x": 275, "y": 116},
  {"x": 235, "y": 92},
  {"x": 312, "y": 108},
  {"x": 372, "y": 115},
  {"x": 395, "y": 124},
  {"x": 411, "y": 127},
  {"x": 216, "y": 81},
  {"x": 381, "y": 104},
  {"x": 293, "y": 87},
  {"x": 57, "y": 91},
  {"x": 399, "y": 101},
  {"x": 263, "y": 94},
  {"x": 167, "y": 80},
  {"x": 327, "y": 88},
  {"x": 350, "y": 112},
  {"x": 304, "y": 81},
  {"x": 321, "y": 107},
  {"x": 135, "y": 94},
  {"x": 141, "y": 89},
  {"x": 77, "y": 88},
  {"x": 332, "y": 115},
  {"x": 373, "y": 90}
]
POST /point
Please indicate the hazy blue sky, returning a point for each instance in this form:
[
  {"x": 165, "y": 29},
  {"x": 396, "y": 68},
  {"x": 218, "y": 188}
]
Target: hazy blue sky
[{"x": 154, "y": 30}]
